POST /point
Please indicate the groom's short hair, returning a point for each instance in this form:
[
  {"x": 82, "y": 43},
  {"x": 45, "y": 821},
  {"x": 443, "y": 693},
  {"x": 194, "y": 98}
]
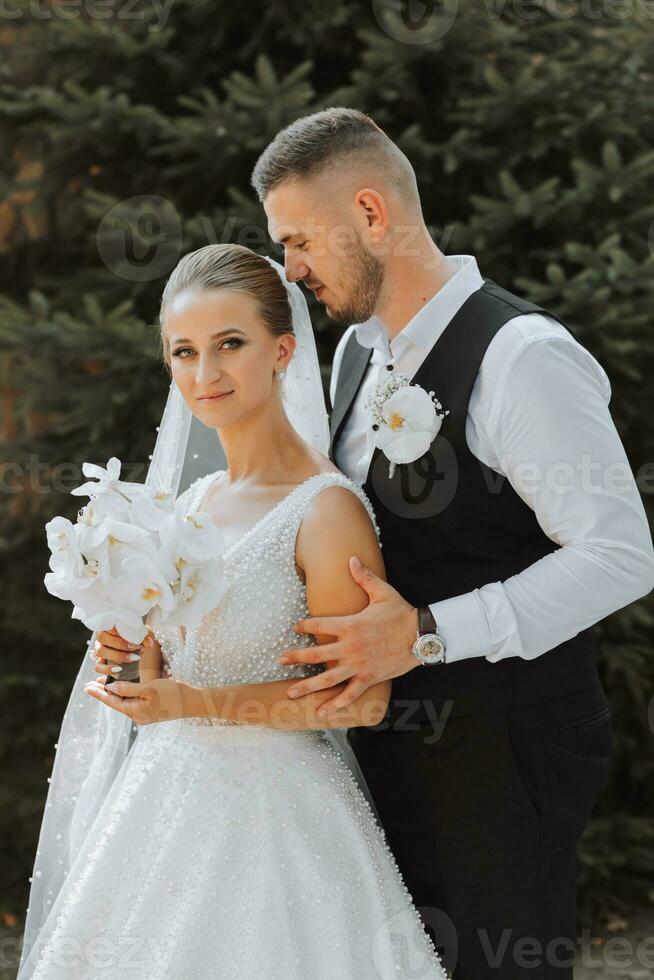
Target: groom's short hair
[{"x": 313, "y": 145}]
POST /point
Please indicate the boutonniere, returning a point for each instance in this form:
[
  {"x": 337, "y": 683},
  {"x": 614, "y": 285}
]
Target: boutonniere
[{"x": 405, "y": 419}]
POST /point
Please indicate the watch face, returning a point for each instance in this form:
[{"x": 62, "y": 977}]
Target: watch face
[{"x": 431, "y": 648}]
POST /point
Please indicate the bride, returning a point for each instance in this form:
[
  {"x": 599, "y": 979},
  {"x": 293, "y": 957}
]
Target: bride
[{"x": 200, "y": 823}]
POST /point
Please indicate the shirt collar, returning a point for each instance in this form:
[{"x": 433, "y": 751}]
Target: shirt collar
[{"x": 424, "y": 329}]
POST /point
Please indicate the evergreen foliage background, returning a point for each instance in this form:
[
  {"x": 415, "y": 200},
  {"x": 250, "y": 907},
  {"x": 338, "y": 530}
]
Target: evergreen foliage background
[{"x": 531, "y": 132}]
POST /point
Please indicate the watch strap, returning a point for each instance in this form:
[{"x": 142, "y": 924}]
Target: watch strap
[{"x": 426, "y": 621}]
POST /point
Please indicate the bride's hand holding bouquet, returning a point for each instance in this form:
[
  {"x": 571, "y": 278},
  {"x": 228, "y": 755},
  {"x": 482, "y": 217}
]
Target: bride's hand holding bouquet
[{"x": 113, "y": 652}]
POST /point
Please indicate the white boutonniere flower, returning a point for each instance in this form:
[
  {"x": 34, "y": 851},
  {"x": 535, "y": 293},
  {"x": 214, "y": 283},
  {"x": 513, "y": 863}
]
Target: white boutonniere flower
[{"x": 405, "y": 418}]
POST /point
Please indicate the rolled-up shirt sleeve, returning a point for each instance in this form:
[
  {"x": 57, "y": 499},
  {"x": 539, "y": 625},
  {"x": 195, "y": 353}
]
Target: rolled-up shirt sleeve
[{"x": 555, "y": 440}]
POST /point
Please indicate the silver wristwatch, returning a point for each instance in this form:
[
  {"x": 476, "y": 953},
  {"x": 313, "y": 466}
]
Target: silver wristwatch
[{"x": 429, "y": 647}]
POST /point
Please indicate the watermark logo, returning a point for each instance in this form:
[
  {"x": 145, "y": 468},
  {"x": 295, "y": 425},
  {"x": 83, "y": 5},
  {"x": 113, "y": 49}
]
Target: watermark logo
[
  {"x": 140, "y": 238},
  {"x": 415, "y": 21},
  {"x": 420, "y": 489}
]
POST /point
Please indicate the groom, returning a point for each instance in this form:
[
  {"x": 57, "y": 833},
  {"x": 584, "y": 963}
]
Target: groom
[{"x": 504, "y": 542}]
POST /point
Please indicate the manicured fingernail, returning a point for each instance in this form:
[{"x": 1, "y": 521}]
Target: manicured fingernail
[
  {"x": 322, "y": 711},
  {"x": 133, "y": 646},
  {"x": 283, "y": 660},
  {"x": 293, "y": 693},
  {"x": 116, "y": 670},
  {"x": 133, "y": 656}
]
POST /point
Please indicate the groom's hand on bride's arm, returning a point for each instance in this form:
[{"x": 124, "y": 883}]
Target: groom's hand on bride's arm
[{"x": 371, "y": 646}]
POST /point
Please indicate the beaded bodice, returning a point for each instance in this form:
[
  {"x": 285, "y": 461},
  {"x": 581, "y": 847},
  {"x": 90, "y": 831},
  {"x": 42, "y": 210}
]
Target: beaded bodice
[{"x": 240, "y": 639}]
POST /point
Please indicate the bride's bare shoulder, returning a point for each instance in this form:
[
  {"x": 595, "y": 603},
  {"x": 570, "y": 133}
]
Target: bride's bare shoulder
[{"x": 336, "y": 523}]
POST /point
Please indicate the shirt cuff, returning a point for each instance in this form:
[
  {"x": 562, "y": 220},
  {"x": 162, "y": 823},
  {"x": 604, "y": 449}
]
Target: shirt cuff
[{"x": 462, "y": 623}]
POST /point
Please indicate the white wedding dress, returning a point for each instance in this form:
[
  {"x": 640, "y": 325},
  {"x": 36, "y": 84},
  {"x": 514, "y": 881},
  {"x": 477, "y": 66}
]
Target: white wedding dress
[{"x": 231, "y": 851}]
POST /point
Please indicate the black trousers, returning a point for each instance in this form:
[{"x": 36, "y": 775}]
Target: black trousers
[{"x": 483, "y": 815}]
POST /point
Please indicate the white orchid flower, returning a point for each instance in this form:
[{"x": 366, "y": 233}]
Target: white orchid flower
[
  {"x": 63, "y": 542},
  {"x": 193, "y": 537},
  {"x": 410, "y": 424},
  {"x": 129, "y": 624},
  {"x": 71, "y": 573},
  {"x": 76, "y": 588},
  {"x": 141, "y": 587},
  {"x": 199, "y": 589},
  {"x": 94, "y": 535},
  {"x": 108, "y": 479},
  {"x": 150, "y": 508},
  {"x": 101, "y": 507},
  {"x": 406, "y": 419}
]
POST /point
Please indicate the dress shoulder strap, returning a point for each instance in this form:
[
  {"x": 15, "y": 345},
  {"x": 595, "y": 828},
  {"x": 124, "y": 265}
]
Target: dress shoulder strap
[
  {"x": 312, "y": 487},
  {"x": 193, "y": 496}
]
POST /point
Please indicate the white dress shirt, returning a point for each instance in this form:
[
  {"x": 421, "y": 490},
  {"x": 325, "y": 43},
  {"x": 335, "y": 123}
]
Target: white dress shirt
[{"x": 538, "y": 414}]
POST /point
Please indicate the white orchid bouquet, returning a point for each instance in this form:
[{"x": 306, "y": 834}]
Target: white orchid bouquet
[{"x": 134, "y": 560}]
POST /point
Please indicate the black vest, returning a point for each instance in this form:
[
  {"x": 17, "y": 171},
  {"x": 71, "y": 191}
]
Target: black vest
[{"x": 450, "y": 524}]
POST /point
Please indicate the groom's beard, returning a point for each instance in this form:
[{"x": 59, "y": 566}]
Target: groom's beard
[{"x": 363, "y": 283}]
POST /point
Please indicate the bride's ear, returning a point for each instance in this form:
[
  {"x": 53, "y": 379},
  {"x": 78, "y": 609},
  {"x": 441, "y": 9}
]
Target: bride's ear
[{"x": 286, "y": 349}]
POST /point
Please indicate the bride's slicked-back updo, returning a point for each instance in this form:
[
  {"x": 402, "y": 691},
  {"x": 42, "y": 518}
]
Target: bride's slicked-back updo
[{"x": 234, "y": 267}]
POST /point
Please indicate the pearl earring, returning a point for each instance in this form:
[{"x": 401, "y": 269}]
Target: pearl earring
[{"x": 280, "y": 374}]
